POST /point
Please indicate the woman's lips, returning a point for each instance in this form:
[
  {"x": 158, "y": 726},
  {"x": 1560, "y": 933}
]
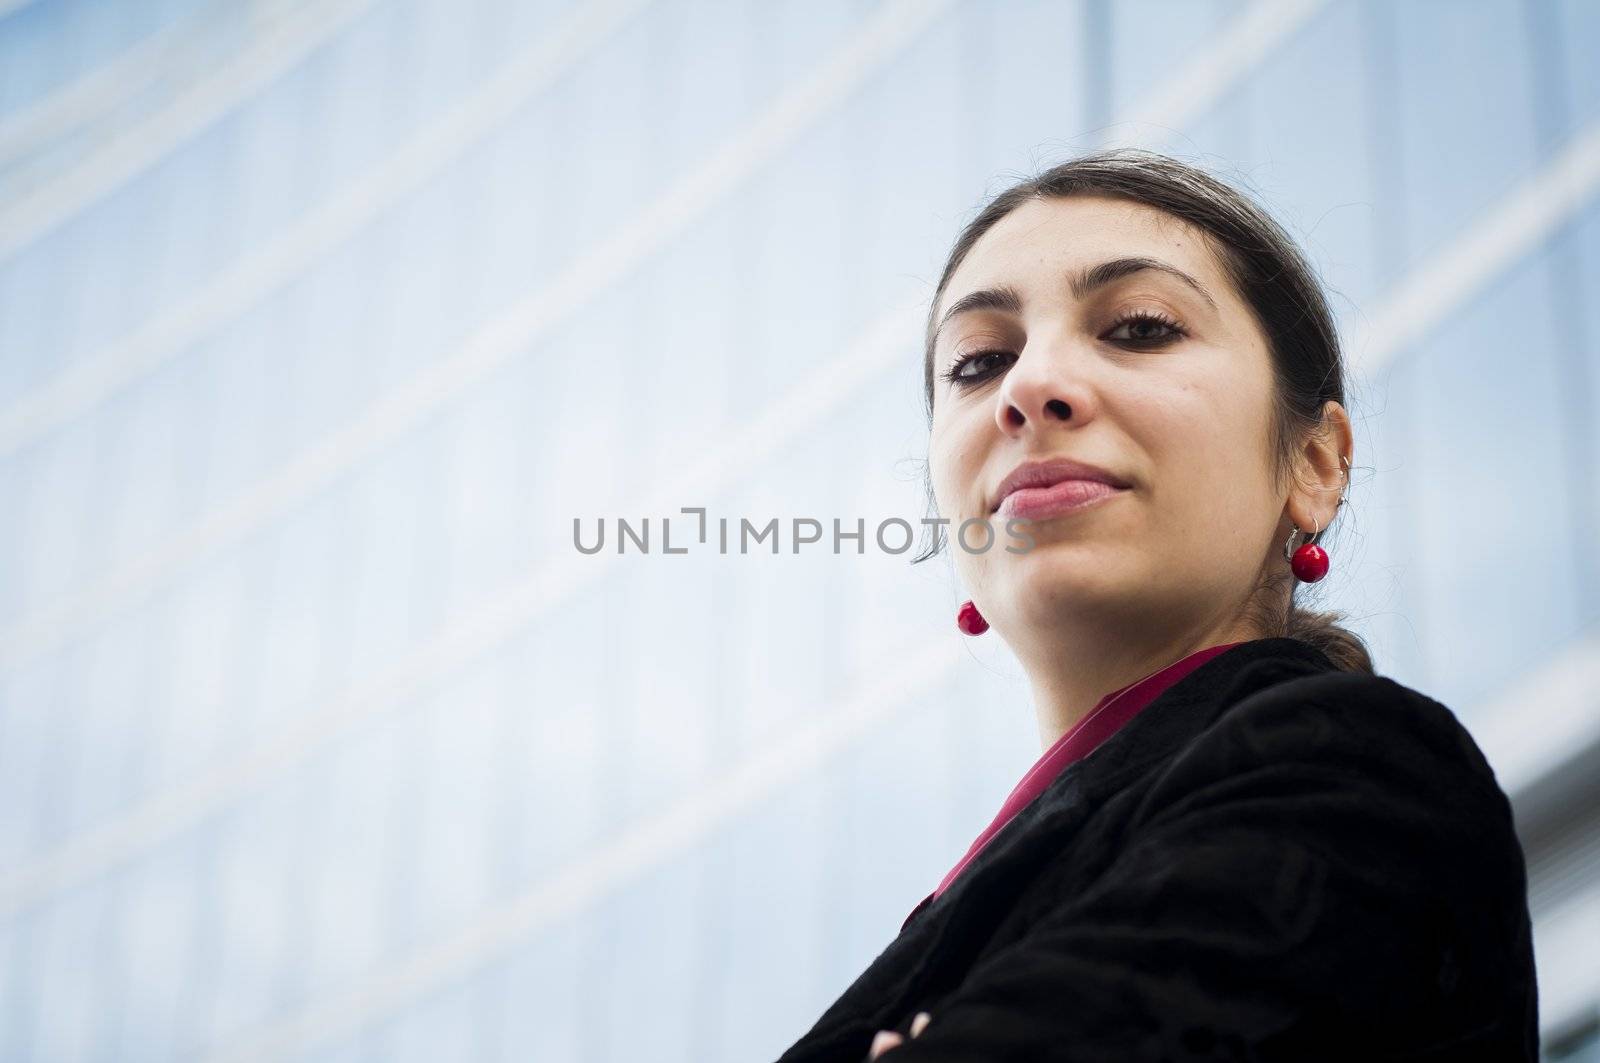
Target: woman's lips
[{"x": 1068, "y": 496}]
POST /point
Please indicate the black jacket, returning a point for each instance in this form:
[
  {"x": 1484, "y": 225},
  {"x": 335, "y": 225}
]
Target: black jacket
[{"x": 1273, "y": 860}]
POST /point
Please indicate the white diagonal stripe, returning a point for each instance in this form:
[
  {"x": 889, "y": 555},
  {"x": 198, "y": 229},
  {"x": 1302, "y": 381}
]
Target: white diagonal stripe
[
  {"x": 1528, "y": 216},
  {"x": 95, "y": 96},
  {"x": 1529, "y": 730},
  {"x": 1202, "y": 81},
  {"x": 283, "y": 44},
  {"x": 242, "y": 284}
]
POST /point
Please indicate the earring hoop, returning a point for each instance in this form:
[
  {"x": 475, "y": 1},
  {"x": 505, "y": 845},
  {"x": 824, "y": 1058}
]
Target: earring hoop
[{"x": 1289, "y": 544}]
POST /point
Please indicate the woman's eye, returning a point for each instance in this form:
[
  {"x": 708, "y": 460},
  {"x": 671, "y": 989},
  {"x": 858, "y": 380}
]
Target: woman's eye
[
  {"x": 1145, "y": 329},
  {"x": 971, "y": 368}
]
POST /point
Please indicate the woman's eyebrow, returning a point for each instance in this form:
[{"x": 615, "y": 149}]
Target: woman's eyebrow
[
  {"x": 1004, "y": 298},
  {"x": 1081, "y": 283},
  {"x": 1087, "y": 280}
]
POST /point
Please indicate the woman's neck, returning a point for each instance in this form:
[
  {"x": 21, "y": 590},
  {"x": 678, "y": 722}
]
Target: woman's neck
[{"x": 1069, "y": 678}]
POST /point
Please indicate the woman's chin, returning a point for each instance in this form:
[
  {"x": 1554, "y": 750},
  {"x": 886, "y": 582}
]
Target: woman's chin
[{"x": 1065, "y": 570}]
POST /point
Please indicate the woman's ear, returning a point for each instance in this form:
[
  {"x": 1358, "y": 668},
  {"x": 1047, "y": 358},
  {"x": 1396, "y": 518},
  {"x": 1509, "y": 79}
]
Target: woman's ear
[{"x": 1321, "y": 469}]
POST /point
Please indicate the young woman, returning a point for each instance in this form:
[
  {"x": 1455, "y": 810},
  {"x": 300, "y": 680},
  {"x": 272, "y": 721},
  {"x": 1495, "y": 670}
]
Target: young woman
[{"x": 1239, "y": 842}]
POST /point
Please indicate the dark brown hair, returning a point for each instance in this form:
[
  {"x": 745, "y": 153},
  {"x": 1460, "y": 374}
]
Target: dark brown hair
[{"x": 1271, "y": 276}]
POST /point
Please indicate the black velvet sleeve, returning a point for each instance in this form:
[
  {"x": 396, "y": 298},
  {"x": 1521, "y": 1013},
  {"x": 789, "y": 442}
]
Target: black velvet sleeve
[{"x": 1328, "y": 872}]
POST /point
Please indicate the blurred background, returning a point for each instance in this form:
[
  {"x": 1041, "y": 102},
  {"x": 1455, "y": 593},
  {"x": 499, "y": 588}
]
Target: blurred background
[{"x": 322, "y": 321}]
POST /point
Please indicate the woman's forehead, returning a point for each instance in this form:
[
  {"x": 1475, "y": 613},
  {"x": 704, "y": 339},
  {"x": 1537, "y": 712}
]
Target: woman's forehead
[{"x": 1045, "y": 240}]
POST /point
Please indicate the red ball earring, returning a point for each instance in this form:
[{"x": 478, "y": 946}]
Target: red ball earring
[
  {"x": 970, "y": 621},
  {"x": 1310, "y": 561}
]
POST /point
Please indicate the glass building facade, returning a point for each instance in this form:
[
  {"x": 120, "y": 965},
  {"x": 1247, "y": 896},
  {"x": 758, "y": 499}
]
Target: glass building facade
[{"x": 322, "y": 322}]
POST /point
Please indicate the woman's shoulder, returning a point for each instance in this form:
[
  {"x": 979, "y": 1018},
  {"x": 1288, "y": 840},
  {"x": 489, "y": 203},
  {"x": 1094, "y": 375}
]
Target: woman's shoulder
[
  {"x": 1358, "y": 721},
  {"x": 1361, "y": 770}
]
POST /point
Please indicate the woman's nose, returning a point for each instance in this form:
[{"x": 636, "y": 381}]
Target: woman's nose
[
  {"x": 1029, "y": 402},
  {"x": 1034, "y": 393},
  {"x": 1047, "y": 386}
]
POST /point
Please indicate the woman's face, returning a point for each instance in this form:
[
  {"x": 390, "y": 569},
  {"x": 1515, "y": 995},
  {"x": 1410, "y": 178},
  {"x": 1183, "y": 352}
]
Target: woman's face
[{"x": 1177, "y": 407}]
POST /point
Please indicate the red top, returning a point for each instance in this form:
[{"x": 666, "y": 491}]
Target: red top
[{"x": 1109, "y": 714}]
